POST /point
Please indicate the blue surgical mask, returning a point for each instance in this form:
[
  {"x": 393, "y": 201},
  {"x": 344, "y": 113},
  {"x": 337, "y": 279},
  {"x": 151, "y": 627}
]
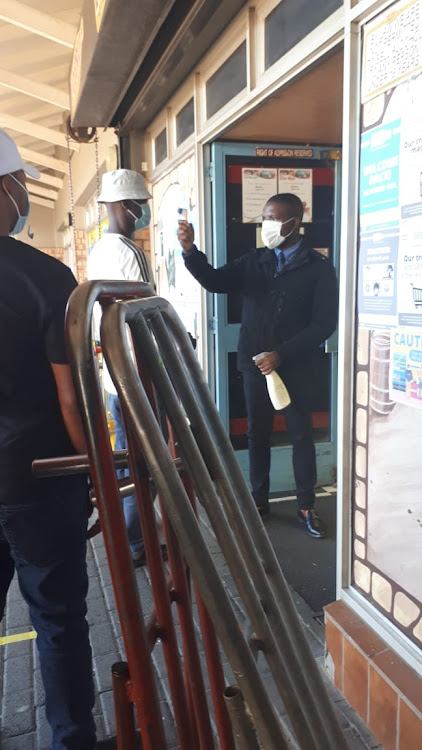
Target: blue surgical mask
[
  {"x": 22, "y": 218},
  {"x": 145, "y": 217}
]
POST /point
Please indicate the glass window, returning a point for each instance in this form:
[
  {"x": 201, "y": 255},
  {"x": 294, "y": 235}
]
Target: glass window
[
  {"x": 161, "y": 147},
  {"x": 227, "y": 81},
  {"x": 291, "y": 21},
  {"x": 185, "y": 122}
]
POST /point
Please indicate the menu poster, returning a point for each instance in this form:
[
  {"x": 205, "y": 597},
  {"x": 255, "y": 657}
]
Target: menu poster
[
  {"x": 298, "y": 182},
  {"x": 258, "y": 185}
]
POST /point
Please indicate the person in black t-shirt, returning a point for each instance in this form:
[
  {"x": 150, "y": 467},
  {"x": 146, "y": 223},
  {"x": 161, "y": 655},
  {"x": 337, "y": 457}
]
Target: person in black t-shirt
[{"x": 43, "y": 522}]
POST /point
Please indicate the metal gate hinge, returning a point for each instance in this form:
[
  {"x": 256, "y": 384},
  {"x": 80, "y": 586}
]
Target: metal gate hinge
[
  {"x": 209, "y": 171},
  {"x": 212, "y": 324}
]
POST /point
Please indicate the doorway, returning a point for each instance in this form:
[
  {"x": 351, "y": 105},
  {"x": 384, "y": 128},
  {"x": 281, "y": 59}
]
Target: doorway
[{"x": 244, "y": 177}]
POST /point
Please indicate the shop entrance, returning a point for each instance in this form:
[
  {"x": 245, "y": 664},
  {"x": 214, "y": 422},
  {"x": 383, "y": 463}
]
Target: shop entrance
[{"x": 244, "y": 177}]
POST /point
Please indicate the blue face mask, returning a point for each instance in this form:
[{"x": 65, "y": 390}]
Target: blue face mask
[
  {"x": 22, "y": 218},
  {"x": 145, "y": 217}
]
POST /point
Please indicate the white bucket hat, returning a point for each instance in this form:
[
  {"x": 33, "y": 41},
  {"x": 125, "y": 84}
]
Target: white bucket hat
[
  {"x": 122, "y": 185},
  {"x": 11, "y": 160}
]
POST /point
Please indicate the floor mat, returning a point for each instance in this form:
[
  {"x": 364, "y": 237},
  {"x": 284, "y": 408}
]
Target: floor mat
[{"x": 308, "y": 564}]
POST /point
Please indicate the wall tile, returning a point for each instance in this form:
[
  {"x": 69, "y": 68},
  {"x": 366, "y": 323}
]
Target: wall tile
[
  {"x": 383, "y": 705},
  {"x": 334, "y": 643},
  {"x": 355, "y": 679},
  {"x": 410, "y": 729},
  {"x": 405, "y": 679}
]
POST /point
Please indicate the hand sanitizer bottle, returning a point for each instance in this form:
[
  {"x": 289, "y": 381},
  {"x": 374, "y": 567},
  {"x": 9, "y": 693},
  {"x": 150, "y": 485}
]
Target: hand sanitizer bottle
[{"x": 277, "y": 391}]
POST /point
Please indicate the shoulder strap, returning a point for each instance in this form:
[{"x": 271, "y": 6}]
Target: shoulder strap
[{"x": 141, "y": 259}]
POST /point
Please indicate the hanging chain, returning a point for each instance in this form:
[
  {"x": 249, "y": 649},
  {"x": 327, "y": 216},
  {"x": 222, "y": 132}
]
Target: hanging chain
[
  {"x": 97, "y": 175},
  {"x": 72, "y": 207}
]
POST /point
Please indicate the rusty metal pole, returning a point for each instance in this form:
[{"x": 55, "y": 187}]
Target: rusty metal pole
[
  {"x": 243, "y": 728},
  {"x": 125, "y": 720}
]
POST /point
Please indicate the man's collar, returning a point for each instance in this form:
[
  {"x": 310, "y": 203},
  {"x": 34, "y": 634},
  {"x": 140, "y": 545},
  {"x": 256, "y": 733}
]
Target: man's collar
[{"x": 289, "y": 252}]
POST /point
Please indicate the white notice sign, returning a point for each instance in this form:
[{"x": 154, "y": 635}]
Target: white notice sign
[
  {"x": 298, "y": 182},
  {"x": 258, "y": 184}
]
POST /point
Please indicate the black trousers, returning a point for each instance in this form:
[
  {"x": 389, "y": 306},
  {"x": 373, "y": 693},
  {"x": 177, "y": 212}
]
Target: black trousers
[{"x": 260, "y": 412}]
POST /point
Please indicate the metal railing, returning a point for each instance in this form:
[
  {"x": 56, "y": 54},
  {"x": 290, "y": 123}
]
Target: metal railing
[{"x": 197, "y": 460}]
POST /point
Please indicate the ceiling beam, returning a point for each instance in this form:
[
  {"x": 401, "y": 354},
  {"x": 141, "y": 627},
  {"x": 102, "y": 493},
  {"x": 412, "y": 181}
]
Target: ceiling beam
[
  {"x": 48, "y": 179},
  {"x": 43, "y": 160},
  {"x": 42, "y": 201},
  {"x": 33, "y": 88},
  {"x": 42, "y": 191},
  {"x": 36, "y": 131},
  {"x": 37, "y": 22}
]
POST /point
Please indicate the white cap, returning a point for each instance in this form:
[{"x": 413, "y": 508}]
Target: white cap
[
  {"x": 11, "y": 160},
  {"x": 122, "y": 185}
]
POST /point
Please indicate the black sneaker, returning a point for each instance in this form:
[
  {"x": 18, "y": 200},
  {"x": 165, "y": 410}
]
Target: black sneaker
[
  {"x": 264, "y": 509},
  {"x": 313, "y": 523}
]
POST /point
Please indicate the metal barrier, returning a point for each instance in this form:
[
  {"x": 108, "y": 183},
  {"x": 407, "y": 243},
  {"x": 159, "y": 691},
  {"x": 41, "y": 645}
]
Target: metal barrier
[{"x": 167, "y": 366}]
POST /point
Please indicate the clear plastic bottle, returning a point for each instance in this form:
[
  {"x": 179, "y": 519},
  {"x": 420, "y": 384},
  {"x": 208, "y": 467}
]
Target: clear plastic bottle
[{"x": 277, "y": 391}]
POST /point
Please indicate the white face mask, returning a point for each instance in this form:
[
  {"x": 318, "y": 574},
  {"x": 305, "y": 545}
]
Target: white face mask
[{"x": 271, "y": 232}]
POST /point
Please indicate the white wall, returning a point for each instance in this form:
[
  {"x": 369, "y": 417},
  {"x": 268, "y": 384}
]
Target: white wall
[
  {"x": 83, "y": 175},
  {"x": 42, "y": 224}
]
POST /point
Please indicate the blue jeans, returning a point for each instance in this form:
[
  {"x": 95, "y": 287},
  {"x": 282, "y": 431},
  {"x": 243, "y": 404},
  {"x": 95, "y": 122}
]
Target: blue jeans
[
  {"x": 130, "y": 508},
  {"x": 45, "y": 542}
]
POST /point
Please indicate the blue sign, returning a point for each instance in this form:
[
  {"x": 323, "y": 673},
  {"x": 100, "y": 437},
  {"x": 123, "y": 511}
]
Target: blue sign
[{"x": 379, "y": 168}]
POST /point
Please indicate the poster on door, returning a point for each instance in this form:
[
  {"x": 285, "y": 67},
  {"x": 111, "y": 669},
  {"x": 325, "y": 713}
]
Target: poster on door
[
  {"x": 298, "y": 182},
  {"x": 405, "y": 380},
  {"x": 258, "y": 185},
  {"x": 377, "y": 282}
]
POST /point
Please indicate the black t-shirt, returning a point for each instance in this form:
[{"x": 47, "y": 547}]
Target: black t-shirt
[{"x": 34, "y": 290}]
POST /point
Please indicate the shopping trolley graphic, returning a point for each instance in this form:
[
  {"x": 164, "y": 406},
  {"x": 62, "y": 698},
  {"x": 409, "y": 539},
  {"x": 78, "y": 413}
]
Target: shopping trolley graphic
[{"x": 417, "y": 296}]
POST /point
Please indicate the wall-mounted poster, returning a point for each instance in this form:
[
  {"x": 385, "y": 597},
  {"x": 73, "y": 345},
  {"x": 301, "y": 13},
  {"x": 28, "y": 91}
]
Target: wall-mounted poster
[
  {"x": 299, "y": 182},
  {"x": 392, "y": 49},
  {"x": 258, "y": 185},
  {"x": 261, "y": 183},
  {"x": 406, "y": 366}
]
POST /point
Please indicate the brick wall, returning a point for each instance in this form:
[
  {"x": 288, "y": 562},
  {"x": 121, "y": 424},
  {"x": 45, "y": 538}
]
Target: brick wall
[
  {"x": 143, "y": 240},
  {"x": 55, "y": 252},
  {"x": 80, "y": 254}
]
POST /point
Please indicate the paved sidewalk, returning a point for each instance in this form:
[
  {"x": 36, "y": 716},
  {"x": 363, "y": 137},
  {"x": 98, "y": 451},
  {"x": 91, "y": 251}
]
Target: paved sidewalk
[{"x": 23, "y": 722}]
